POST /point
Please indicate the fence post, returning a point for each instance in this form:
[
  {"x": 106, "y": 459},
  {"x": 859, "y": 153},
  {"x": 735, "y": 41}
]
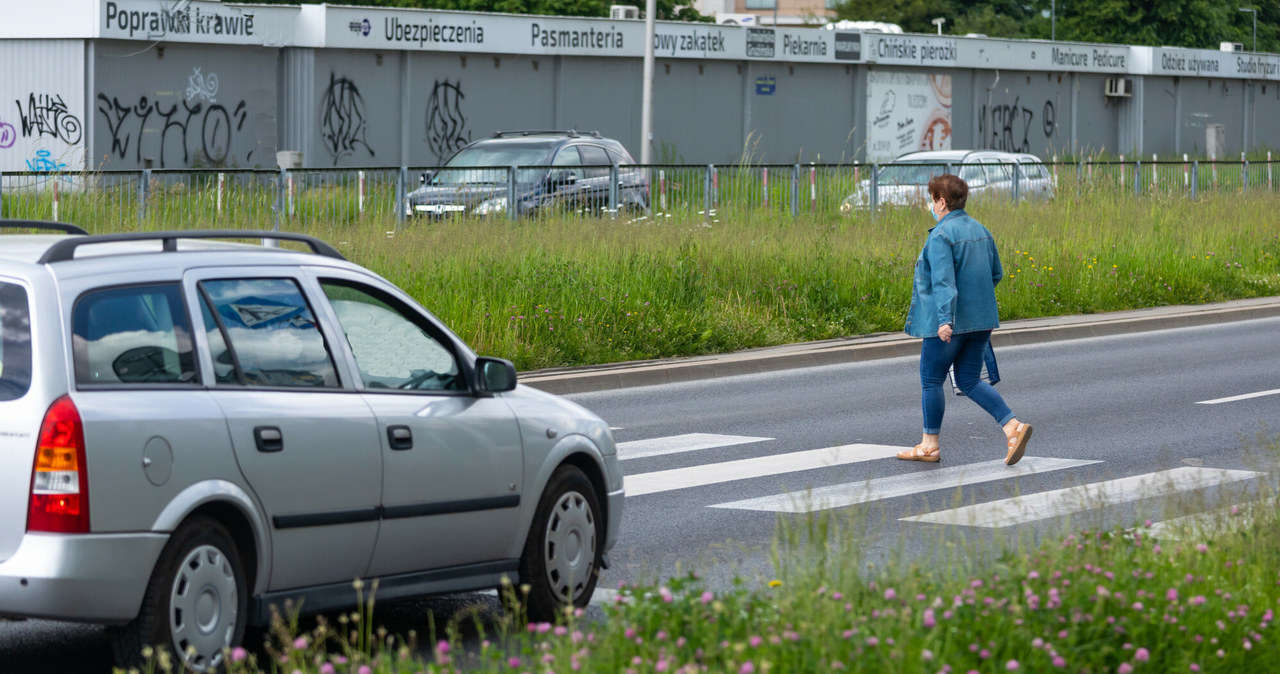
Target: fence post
[
  {"x": 813, "y": 188},
  {"x": 1137, "y": 177},
  {"x": 765, "y": 184},
  {"x": 873, "y": 191},
  {"x": 2, "y": 187},
  {"x": 402, "y": 182},
  {"x": 512, "y": 206},
  {"x": 1186, "y": 172},
  {"x": 1195, "y": 177},
  {"x": 1244, "y": 173},
  {"x": 1155, "y": 170},
  {"x": 222, "y": 185},
  {"x": 706, "y": 191},
  {"x": 1268, "y": 170},
  {"x": 1017, "y": 175},
  {"x": 715, "y": 187},
  {"x": 143, "y": 187},
  {"x": 360, "y": 193},
  {"x": 662, "y": 190},
  {"x": 279, "y": 206},
  {"x": 795, "y": 190},
  {"x": 613, "y": 190}
]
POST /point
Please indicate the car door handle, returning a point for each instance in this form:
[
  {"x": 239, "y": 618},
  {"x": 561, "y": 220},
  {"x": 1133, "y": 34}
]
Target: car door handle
[
  {"x": 268, "y": 439},
  {"x": 399, "y": 437}
]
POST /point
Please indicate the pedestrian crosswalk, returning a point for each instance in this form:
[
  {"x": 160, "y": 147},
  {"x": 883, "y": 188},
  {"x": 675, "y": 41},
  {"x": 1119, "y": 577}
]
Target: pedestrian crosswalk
[{"x": 1005, "y": 512}]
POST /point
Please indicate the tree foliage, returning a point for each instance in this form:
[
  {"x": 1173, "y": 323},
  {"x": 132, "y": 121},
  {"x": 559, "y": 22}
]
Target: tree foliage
[
  {"x": 1178, "y": 23},
  {"x": 667, "y": 10}
]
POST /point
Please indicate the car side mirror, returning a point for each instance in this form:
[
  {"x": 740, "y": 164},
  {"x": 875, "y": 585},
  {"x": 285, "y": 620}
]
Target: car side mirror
[
  {"x": 495, "y": 375},
  {"x": 561, "y": 177}
]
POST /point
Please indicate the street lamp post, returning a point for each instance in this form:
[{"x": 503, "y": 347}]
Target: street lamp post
[
  {"x": 1253, "y": 11},
  {"x": 1053, "y": 20},
  {"x": 938, "y": 22}
]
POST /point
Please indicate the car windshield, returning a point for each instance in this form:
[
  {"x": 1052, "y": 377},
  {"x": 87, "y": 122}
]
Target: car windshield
[
  {"x": 479, "y": 165},
  {"x": 910, "y": 173}
]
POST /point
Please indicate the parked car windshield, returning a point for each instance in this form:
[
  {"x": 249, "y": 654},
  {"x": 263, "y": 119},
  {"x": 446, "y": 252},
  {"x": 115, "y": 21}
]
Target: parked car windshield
[
  {"x": 486, "y": 157},
  {"x": 910, "y": 173}
]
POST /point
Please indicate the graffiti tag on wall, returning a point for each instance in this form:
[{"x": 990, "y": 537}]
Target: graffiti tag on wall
[
  {"x": 202, "y": 86},
  {"x": 209, "y": 129},
  {"x": 44, "y": 162},
  {"x": 7, "y": 135},
  {"x": 446, "y": 123},
  {"x": 1011, "y": 127},
  {"x": 342, "y": 119},
  {"x": 47, "y": 115}
]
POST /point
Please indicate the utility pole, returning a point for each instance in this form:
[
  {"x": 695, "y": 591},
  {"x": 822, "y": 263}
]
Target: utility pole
[
  {"x": 646, "y": 89},
  {"x": 1255, "y": 25},
  {"x": 1053, "y": 20}
]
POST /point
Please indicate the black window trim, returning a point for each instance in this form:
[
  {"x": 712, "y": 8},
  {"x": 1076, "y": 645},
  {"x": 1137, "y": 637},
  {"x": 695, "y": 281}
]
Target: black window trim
[
  {"x": 328, "y": 347},
  {"x": 17, "y": 383},
  {"x": 433, "y": 331},
  {"x": 196, "y": 383}
]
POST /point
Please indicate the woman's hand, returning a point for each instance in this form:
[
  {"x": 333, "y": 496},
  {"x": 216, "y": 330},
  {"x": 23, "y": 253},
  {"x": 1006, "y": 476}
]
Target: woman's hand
[{"x": 944, "y": 333}]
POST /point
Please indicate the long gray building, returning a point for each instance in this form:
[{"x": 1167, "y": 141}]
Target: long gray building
[{"x": 123, "y": 84}]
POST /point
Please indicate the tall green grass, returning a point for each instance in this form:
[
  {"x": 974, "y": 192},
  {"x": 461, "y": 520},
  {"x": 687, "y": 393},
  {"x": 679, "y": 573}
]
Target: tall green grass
[{"x": 564, "y": 290}]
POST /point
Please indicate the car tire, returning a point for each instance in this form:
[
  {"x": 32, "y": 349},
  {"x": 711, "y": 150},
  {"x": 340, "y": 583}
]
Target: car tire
[
  {"x": 198, "y": 597},
  {"x": 561, "y": 560}
]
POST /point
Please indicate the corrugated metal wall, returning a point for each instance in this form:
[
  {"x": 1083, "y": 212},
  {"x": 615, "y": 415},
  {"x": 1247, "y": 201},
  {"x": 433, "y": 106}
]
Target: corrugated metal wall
[{"x": 42, "y": 104}]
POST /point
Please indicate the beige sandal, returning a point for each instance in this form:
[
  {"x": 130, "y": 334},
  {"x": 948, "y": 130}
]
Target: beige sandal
[
  {"x": 1018, "y": 443},
  {"x": 921, "y": 453}
]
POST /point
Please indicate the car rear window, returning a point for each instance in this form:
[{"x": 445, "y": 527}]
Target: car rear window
[
  {"x": 15, "y": 342},
  {"x": 133, "y": 335}
]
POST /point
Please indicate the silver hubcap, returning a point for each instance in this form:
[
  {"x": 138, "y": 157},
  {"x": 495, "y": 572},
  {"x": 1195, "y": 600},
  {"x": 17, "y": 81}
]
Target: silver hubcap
[
  {"x": 202, "y": 608},
  {"x": 570, "y": 546}
]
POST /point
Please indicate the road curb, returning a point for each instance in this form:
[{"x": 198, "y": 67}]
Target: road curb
[{"x": 887, "y": 345}]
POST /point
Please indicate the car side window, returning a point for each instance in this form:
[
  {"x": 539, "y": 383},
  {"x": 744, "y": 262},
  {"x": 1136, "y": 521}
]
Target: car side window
[
  {"x": 596, "y": 159},
  {"x": 133, "y": 335},
  {"x": 269, "y": 332},
  {"x": 998, "y": 171},
  {"x": 15, "y": 342},
  {"x": 973, "y": 175},
  {"x": 569, "y": 160},
  {"x": 1032, "y": 169},
  {"x": 391, "y": 349}
]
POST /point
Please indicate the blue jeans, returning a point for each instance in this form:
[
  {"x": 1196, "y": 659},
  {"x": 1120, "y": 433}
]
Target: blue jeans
[{"x": 964, "y": 351}]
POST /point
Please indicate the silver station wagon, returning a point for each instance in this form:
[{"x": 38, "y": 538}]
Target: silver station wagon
[{"x": 193, "y": 430}]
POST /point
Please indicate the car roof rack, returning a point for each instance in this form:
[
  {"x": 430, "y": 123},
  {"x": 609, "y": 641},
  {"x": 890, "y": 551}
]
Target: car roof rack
[
  {"x": 42, "y": 224},
  {"x": 572, "y": 133},
  {"x": 66, "y": 248}
]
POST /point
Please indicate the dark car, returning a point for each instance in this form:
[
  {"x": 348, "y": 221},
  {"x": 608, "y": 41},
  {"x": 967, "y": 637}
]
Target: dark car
[{"x": 553, "y": 169}]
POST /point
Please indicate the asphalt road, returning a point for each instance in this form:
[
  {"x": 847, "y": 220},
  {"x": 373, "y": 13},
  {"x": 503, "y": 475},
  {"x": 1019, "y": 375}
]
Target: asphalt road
[{"x": 1112, "y": 415}]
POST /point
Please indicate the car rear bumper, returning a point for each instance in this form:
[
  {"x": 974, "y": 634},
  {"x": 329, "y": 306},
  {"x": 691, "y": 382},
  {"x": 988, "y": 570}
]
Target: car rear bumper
[{"x": 97, "y": 578}]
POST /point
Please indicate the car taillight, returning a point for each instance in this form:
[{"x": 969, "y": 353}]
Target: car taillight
[{"x": 59, "y": 480}]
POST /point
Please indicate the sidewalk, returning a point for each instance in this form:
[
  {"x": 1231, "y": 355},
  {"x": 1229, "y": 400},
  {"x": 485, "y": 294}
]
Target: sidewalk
[{"x": 885, "y": 345}]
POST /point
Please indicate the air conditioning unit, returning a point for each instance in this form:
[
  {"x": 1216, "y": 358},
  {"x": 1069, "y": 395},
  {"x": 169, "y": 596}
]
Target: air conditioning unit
[
  {"x": 624, "y": 12},
  {"x": 1231, "y": 46},
  {"x": 1119, "y": 86},
  {"x": 728, "y": 19}
]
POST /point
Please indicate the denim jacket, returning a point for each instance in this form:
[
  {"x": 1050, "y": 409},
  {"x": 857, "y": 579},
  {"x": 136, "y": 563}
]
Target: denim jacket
[{"x": 956, "y": 276}]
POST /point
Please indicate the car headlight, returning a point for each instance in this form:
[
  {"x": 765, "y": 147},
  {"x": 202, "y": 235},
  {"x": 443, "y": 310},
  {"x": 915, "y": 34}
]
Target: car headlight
[{"x": 491, "y": 206}]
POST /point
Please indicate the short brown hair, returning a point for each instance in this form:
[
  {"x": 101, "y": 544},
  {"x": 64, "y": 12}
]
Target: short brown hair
[{"x": 950, "y": 189}]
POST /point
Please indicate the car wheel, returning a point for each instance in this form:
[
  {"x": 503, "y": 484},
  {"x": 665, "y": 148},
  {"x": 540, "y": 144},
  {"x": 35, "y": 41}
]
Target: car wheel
[
  {"x": 561, "y": 556},
  {"x": 196, "y": 603}
]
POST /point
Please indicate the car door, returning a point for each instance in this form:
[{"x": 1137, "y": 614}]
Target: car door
[
  {"x": 596, "y": 183},
  {"x": 1035, "y": 179},
  {"x": 452, "y": 461},
  {"x": 566, "y": 178},
  {"x": 306, "y": 444}
]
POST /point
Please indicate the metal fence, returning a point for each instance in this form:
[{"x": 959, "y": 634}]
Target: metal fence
[{"x": 259, "y": 198}]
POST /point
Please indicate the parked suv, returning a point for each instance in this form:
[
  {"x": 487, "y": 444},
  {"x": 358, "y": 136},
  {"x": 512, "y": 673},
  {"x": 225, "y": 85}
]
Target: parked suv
[
  {"x": 905, "y": 180},
  {"x": 193, "y": 431},
  {"x": 561, "y": 169}
]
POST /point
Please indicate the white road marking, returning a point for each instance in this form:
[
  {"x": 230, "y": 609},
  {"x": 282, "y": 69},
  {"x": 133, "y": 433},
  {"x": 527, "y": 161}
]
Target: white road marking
[
  {"x": 1020, "y": 509},
  {"x": 674, "y": 444},
  {"x": 742, "y": 469},
  {"x": 1245, "y": 396},
  {"x": 841, "y": 495},
  {"x": 1211, "y": 523}
]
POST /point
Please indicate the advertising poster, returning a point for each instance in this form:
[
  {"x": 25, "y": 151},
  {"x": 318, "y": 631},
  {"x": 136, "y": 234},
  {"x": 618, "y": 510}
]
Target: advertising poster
[{"x": 907, "y": 112}]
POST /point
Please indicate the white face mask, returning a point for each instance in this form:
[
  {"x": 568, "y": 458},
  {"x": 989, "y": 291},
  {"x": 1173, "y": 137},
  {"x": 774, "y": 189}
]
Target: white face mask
[{"x": 933, "y": 211}]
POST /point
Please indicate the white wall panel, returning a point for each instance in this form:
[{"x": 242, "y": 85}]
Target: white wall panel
[{"x": 43, "y": 126}]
